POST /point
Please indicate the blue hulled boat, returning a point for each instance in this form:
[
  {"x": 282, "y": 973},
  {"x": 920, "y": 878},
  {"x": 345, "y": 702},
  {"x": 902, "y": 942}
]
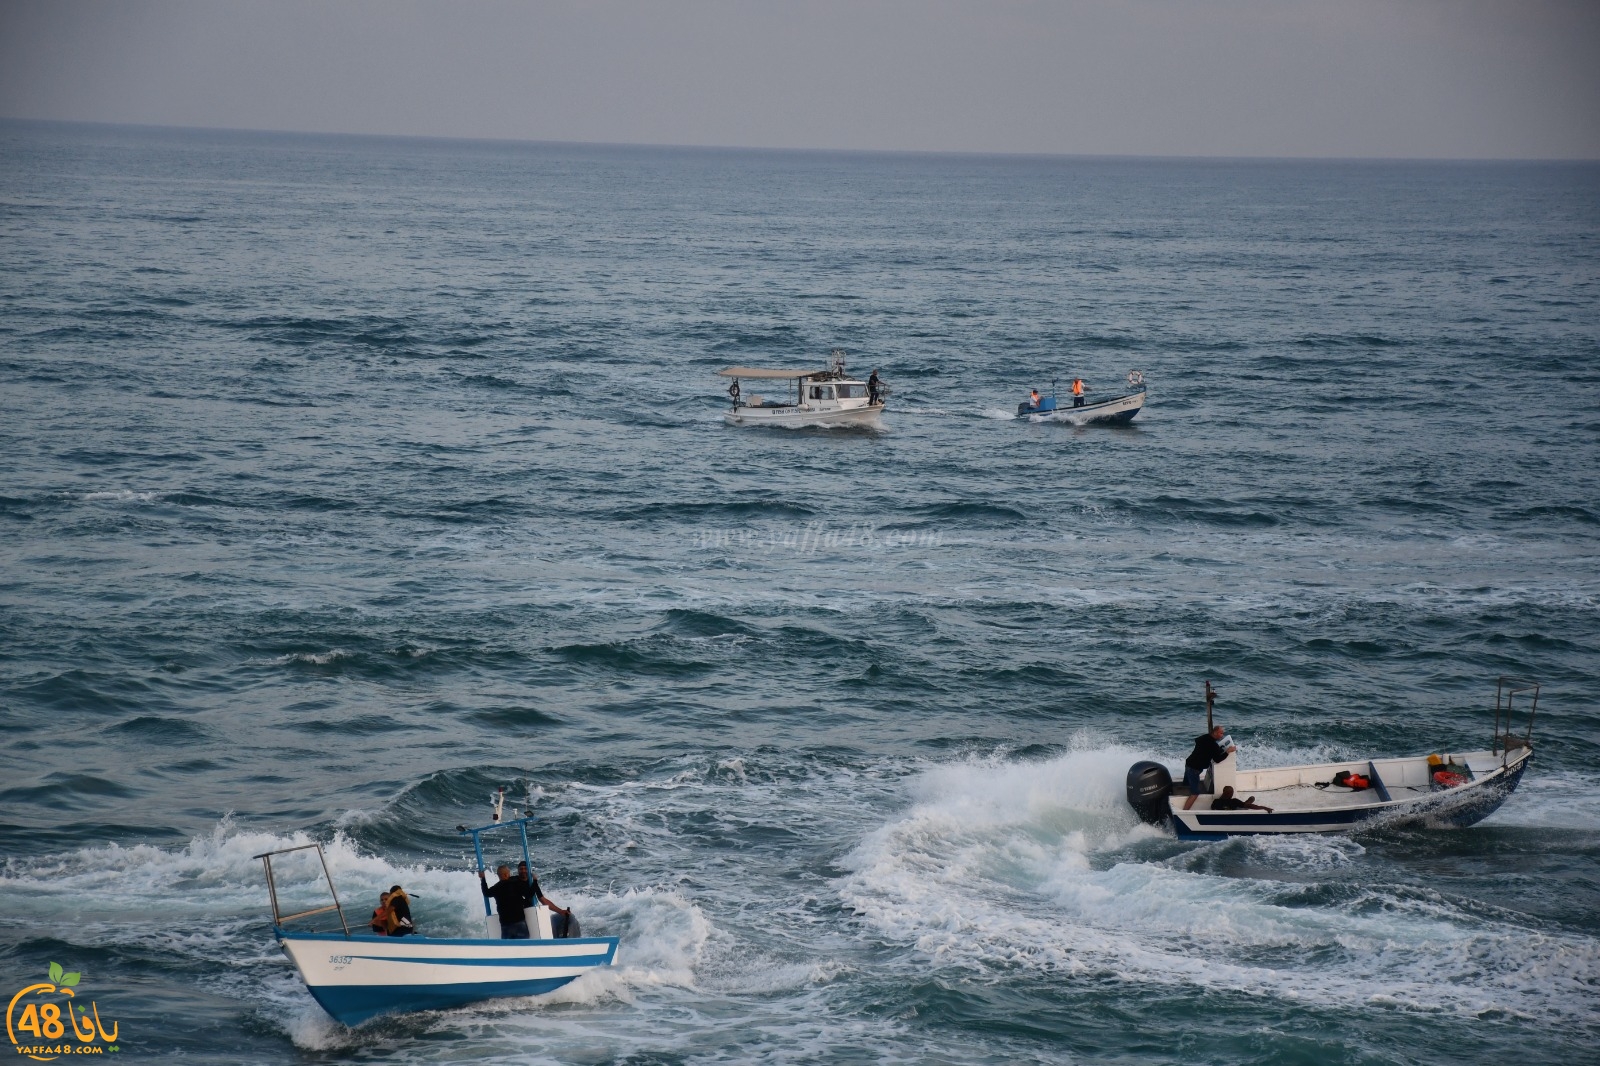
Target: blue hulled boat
[
  {"x": 357, "y": 976},
  {"x": 1116, "y": 409}
]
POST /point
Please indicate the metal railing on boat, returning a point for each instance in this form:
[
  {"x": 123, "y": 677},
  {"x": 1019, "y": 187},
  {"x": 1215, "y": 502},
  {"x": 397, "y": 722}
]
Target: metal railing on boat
[
  {"x": 278, "y": 917},
  {"x": 1506, "y": 690}
]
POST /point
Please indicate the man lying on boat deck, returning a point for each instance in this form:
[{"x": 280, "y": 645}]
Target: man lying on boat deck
[
  {"x": 1229, "y": 802},
  {"x": 1208, "y": 749}
]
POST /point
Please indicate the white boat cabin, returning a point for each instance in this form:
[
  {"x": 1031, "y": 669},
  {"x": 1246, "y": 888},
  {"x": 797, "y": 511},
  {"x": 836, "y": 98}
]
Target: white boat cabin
[{"x": 817, "y": 397}]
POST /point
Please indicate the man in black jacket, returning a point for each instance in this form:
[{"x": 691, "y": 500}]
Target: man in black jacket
[
  {"x": 532, "y": 893},
  {"x": 510, "y": 902},
  {"x": 1208, "y": 749}
]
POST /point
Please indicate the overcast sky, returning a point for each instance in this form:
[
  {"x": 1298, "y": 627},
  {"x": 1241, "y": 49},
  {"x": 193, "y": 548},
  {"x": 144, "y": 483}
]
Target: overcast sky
[{"x": 1408, "y": 78}]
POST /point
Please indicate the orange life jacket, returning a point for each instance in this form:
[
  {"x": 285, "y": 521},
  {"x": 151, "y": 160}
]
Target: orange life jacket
[{"x": 1077, "y": 386}]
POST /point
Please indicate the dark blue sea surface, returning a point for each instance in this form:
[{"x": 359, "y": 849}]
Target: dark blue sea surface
[{"x": 345, "y": 480}]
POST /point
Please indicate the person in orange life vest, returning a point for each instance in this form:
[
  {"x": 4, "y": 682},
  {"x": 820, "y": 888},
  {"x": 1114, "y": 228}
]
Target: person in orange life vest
[
  {"x": 399, "y": 908},
  {"x": 380, "y": 916},
  {"x": 1033, "y": 399},
  {"x": 1077, "y": 392}
]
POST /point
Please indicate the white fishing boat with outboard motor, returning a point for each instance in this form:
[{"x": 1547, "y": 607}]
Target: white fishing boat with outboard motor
[
  {"x": 1082, "y": 412},
  {"x": 828, "y": 397},
  {"x": 1437, "y": 790},
  {"x": 357, "y": 976}
]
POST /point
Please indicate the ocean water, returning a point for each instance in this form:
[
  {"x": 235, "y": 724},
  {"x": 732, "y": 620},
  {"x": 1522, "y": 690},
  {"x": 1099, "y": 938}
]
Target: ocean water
[{"x": 345, "y": 480}]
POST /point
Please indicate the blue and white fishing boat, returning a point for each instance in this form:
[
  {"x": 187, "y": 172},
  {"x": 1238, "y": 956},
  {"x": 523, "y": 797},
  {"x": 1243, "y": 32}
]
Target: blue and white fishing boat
[
  {"x": 1438, "y": 790},
  {"x": 1116, "y": 409},
  {"x": 357, "y": 976}
]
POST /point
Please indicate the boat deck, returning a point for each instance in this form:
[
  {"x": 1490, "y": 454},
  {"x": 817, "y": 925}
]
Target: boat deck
[
  {"x": 1305, "y": 797},
  {"x": 1293, "y": 788}
]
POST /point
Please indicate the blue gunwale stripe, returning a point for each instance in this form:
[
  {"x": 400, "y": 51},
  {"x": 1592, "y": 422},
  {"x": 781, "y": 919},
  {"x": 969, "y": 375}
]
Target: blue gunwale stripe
[
  {"x": 340, "y": 938},
  {"x": 1336, "y": 816},
  {"x": 548, "y": 960}
]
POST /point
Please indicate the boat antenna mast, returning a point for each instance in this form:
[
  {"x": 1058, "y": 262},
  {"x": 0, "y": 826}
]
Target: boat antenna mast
[
  {"x": 836, "y": 363},
  {"x": 1211, "y": 698},
  {"x": 519, "y": 824}
]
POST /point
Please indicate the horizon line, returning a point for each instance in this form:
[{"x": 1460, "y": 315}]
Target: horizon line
[{"x": 814, "y": 150}]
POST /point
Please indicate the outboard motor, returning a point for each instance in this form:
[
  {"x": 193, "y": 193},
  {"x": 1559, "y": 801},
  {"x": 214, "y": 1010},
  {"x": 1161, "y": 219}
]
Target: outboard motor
[{"x": 1149, "y": 785}]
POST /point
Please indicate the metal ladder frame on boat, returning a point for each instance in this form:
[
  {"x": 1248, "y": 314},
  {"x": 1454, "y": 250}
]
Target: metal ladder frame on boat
[
  {"x": 477, "y": 845},
  {"x": 1506, "y": 690},
  {"x": 278, "y": 917}
]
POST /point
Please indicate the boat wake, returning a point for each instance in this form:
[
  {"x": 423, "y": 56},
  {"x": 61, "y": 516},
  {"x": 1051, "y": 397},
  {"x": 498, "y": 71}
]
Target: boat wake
[{"x": 999, "y": 865}]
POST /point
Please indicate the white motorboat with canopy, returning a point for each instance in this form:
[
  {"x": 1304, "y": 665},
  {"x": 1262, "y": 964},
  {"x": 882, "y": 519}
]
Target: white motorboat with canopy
[
  {"x": 828, "y": 397},
  {"x": 1441, "y": 790},
  {"x": 357, "y": 976},
  {"x": 1114, "y": 409}
]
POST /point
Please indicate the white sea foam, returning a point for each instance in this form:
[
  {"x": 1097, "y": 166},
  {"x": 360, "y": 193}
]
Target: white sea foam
[
  {"x": 1556, "y": 800},
  {"x": 121, "y": 496},
  {"x": 311, "y": 658}
]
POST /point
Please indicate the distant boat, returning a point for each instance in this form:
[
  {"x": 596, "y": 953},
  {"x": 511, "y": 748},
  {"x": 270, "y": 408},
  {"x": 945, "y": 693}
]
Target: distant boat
[
  {"x": 821, "y": 398},
  {"x": 357, "y": 976},
  {"x": 1442, "y": 790},
  {"x": 1120, "y": 408}
]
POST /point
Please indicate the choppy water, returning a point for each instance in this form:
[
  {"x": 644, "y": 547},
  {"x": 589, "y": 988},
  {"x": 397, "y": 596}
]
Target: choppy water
[{"x": 344, "y": 480}]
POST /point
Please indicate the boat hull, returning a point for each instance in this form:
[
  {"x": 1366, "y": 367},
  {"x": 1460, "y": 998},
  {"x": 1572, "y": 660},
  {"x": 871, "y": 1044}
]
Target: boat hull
[
  {"x": 1457, "y": 807},
  {"x": 796, "y": 418},
  {"x": 356, "y": 978},
  {"x": 1121, "y": 409}
]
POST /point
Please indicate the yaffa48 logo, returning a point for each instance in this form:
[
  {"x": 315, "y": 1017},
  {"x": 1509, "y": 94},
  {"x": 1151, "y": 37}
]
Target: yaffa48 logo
[{"x": 43, "y": 1019}]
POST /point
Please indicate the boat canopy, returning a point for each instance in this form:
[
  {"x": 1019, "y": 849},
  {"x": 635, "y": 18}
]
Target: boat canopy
[{"x": 775, "y": 375}]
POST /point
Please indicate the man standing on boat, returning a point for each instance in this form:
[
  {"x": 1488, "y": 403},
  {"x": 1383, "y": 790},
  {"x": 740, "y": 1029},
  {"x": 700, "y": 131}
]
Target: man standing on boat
[
  {"x": 1077, "y": 392},
  {"x": 532, "y": 893},
  {"x": 1208, "y": 749},
  {"x": 873, "y": 387},
  {"x": 510, "y": 903}
]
